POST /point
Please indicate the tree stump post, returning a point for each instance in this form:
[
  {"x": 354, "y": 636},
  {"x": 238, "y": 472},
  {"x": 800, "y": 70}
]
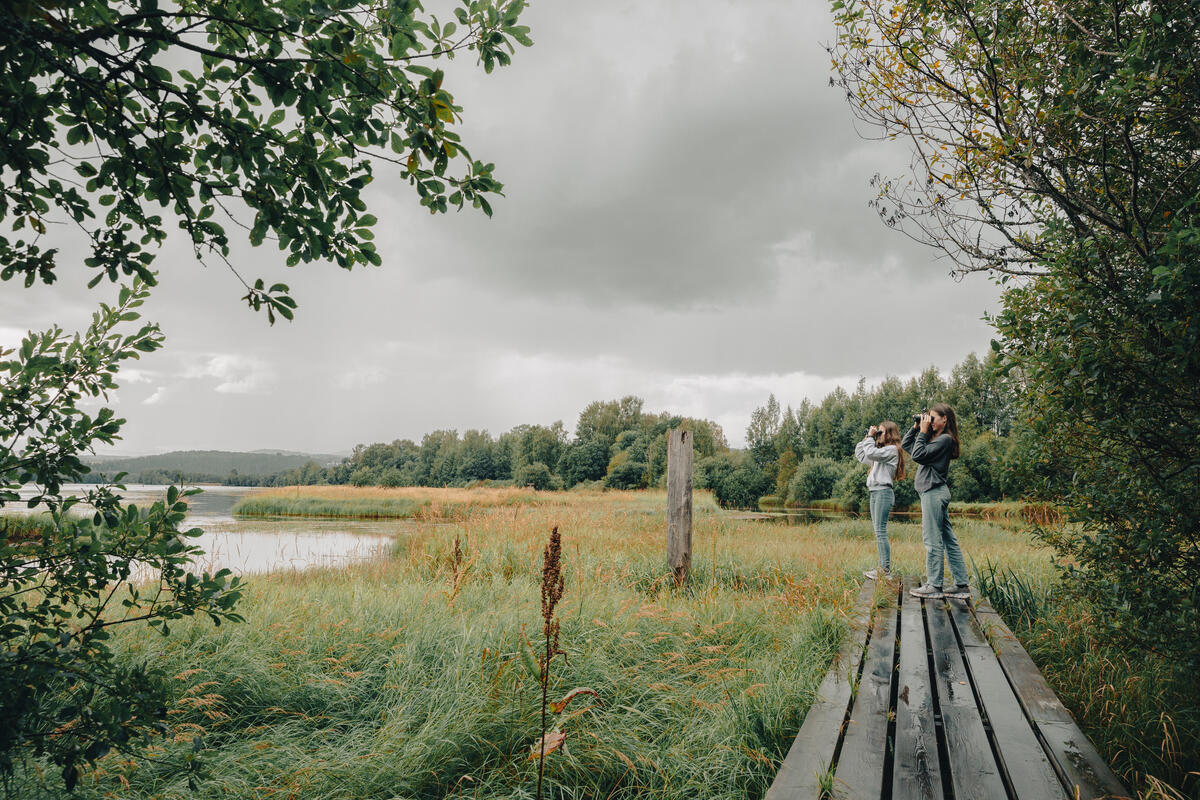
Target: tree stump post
[{"x": 679, "y": 503}]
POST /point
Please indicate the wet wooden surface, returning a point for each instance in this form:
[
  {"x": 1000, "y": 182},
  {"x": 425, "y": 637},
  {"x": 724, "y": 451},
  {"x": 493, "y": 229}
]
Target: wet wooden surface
[{"x": 936, "y": 699}]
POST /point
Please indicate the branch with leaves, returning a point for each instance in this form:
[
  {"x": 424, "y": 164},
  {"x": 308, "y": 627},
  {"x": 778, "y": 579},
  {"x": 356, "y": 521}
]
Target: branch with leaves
[
  {"x": 1021, "y": 115},
  {"x": 63, "y": 587},
  {"x": 124, "y": 117}
]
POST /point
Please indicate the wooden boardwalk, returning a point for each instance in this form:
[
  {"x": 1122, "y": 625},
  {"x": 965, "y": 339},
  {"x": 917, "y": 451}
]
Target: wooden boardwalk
[{"x": 936, "y": 700}]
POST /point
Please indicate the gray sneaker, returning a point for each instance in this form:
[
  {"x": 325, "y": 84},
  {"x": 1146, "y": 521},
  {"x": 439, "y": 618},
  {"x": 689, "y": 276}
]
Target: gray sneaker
[
  {"x": 927, "y": 592},
  {"x": 877, "y": 574},
  {"x": 960, "y": 592}
]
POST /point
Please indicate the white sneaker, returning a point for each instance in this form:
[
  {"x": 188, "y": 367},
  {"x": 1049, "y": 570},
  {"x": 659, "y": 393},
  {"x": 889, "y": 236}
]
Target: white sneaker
[
  {"x": 926, "y": 592},
  {"x": 877, "y": 574}
]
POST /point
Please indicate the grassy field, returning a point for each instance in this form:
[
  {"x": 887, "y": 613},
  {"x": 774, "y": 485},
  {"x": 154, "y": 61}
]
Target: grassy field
[{"x": 403, "y": 679}]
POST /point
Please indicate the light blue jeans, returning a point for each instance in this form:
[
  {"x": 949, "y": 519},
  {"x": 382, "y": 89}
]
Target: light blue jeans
[
  {"x": 881, "y": 505},
  {"x": 938, "y": 536}
]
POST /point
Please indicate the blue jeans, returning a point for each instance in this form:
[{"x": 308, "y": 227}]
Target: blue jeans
[
  {"x": 938, "y": 536},
  {"x": 881, "y": 505}
]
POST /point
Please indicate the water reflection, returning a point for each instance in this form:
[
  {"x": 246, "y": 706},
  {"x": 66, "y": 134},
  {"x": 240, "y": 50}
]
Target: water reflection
[
  {"x": 807, "y": 516},
  {"x": 250, "y": 551},
  {"x": 248, "y": 546}
]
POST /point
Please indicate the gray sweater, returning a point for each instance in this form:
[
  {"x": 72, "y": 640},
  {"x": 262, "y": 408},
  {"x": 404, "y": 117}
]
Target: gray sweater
[
  {"x": 883, "y": 461},
  {"x": 933, "y": 458}
]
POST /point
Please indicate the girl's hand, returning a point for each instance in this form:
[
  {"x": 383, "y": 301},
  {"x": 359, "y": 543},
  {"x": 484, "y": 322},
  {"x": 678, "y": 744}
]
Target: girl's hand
[
  {"x": 873, "y": 431},
  {"x": 926, "y": 420}
]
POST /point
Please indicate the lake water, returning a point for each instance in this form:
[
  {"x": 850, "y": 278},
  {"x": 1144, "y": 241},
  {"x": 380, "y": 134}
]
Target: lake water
[{"x": 247, "y": 546}]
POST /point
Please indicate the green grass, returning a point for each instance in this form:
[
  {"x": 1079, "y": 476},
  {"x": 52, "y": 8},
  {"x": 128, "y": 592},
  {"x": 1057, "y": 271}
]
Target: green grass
[
  {"x": 23, "y": 527},
  {"x": 373, "y": 508},
  {"x": 404, "y": 679},
  {"x": 388, "y": 681}
]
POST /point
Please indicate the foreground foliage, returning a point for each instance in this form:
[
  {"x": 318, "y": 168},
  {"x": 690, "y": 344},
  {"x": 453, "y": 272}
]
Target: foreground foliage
[
  {"x": 123, "y": 119},
  {"x": 66, "y": 582},
  {"x": 406, "y": 678},
  {"x": 267, "y": 116},
  {"x": 1057, "y": 145}
]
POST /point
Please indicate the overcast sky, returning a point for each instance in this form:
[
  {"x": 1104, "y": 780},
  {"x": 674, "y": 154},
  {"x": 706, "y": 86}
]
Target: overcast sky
[{"x": 685, "y": 220}]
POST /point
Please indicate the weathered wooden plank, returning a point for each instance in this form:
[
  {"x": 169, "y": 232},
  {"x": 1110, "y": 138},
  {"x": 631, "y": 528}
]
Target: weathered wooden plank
[
  {"x": 1089, "y": 776},
  {"x": 1025, "y": 762},
  {"x": 915, "y": 772},
  {"x": 679, "y": 503},
  {"x": 1040, "y": 702},
  {"x": 860, "y": 766},
  {"x": 811, "y": 754},
  {"x": 1086, "y": 775},
  {"x": 973, "y": 769}
]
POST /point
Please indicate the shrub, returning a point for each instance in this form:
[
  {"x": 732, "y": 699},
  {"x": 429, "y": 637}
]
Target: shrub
[
  {"x": 851, "y": 489},
  {"x": 735, "y": 480},
  {"x": 626, "y": 471},
  {"x": 906, "y": 493},
  {"x": 536, "y": 475},
  {"x": 389, "y": 476},
  {"x": 814, "y": 480}
]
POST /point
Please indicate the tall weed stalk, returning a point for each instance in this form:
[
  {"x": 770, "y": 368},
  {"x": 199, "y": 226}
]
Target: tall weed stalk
[{"x": 553, "y": 584}]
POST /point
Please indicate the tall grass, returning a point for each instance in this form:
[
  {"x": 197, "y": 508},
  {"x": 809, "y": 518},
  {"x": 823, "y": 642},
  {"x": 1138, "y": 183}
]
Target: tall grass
[
  {"x": 1018, "y": 600},
  {"x": 429, "y": 503},
  {"x": 404, "y": 678},
  {"x": 1133, "y": 705}
]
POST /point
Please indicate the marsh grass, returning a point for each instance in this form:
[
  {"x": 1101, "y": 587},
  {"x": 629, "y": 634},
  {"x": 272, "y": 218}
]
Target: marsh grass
[
  {"x": 24, "y": 527},
  {"x": 431, "y": 504},
  {"x": 404, "y": 678},
  {"x": 1138, "y": 711}
]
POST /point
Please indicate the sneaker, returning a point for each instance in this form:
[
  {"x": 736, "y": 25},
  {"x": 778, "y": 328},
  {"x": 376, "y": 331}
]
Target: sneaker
[
  {"x": 960, "y": 592},
  {"x": 927, "y": 592},
  {"x": 877, "y": 574}
]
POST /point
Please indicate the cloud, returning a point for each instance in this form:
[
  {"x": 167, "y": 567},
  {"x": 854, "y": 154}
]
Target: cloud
[
  {"x": 662, "y": 170},
  {"x": 234, "y": 373},
  {"x": 10, "y": 337},
  {"x": 157, "y": 397},
  {"x": 360, "y": 376},
  {"x": 685, "y": 219}
]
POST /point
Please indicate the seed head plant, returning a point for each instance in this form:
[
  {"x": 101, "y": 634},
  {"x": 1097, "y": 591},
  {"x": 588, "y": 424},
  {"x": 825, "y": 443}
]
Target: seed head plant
[{"x": 553, "y": 584}]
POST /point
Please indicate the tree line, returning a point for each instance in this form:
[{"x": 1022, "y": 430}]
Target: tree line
[
  {"x": 800, "y": 455},
  {"x": 797, "y": 455},
  {"x": 615, "y": 445}
]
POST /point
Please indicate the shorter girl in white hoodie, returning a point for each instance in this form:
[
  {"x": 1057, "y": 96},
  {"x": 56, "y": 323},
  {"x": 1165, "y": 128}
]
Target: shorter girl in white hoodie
[{"x": 881, "y": 449}]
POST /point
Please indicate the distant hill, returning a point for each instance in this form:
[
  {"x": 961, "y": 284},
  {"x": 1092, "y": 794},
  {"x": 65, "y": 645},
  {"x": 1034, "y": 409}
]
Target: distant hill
[{"x": 212, "y": 462}]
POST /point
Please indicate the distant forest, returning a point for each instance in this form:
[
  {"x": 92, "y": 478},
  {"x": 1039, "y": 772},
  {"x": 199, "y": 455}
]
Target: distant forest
[
  {"x": 794, "y": 455},
  {"x": 208, "y": 466}
]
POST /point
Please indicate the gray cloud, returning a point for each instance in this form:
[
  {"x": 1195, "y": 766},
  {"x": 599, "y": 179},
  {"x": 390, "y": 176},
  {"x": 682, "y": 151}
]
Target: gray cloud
[{"x": 685, "y": 220}]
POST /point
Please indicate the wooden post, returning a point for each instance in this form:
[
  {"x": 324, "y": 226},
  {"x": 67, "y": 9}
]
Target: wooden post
[{"x": 679, "y": 503}]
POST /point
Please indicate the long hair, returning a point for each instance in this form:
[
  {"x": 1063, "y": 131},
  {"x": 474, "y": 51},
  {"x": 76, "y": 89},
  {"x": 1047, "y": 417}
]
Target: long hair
[
  {"x": 891, "y": 435},
  {"x": 951, "y": 425}
]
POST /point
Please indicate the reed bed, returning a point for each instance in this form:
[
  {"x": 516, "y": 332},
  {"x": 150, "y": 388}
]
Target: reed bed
[
  {"x": 404, "y": 678},
  {"x": 431, "y": 503}
]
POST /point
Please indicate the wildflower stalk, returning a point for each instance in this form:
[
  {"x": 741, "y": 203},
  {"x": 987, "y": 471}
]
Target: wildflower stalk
[{"x": 552, "y": 591}]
